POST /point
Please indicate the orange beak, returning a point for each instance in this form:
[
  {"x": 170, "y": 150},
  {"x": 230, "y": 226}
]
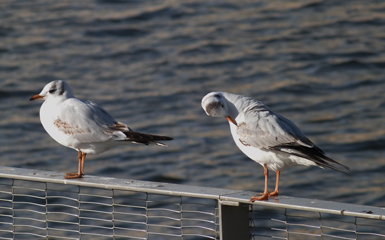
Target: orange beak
[
  {"x": 232, "y": 120},
  {"x": 35, "y": 97}
]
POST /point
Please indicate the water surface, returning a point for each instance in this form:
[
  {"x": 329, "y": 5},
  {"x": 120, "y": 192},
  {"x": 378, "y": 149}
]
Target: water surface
[{"x": 149, "y": 63}]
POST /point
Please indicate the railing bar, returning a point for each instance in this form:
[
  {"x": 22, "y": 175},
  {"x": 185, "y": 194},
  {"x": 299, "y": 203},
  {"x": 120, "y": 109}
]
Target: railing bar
[
  {"x": 63, "y": 230},
  {"x": 366, "y": 233},
  {"x": 95, "y": 203},
  {"x": 334, "y": 236},
  {"x": 197, "y": 219},
  {"x": 166, "y": 234},
  {"x": 28, "y": 210},
  {"x": 5, "y": 223},
  {"x": 133, "y": 229},
  {"x": 55, "y": 237},
  {"x": 165, "y": 217},
  {"x": 125, "y": 221},
  {"x": 131, "y": 214},
  {"x": 128, "y": 206},
  {"x": 202, "y": 227},
  {"x": 61, "y": 205},
  {"x": 31, "y": 226},
  {"x": 33, "y": 219},
  {"x": 35, "y": 189},
  {"x": 61, "y": 190},
  {"x": 309, "y": 234},
  {"x": 96, "y": 234},
  {"x": 164, "y": 209},
  {"x": 95, "y": 226},
  {"x": 30, "y": 203},
  {"x": 63, "y": 197},
  {"x": 54, "y": 221},
  {"x": 165, "y": 226},
  {"x": 96, "y": 219},
  {"x": 303, "y": 225},
  {"x": 27, "y": 195},
  {"x": 279, "y": 229},
  {"x": 95, "y": 211},
  {"x": 66, "y": 214},
  {"x": 6, "y": 192},
  {"x": 6, "y": 208},
  {"x": 275, "y": 220},
  {"x": 340, "y": 229},
  {"x": 33, "y": 234},
  {"x": 94, "y": 195},
  {"x": 6, "y": 238},
  {"x": 206, "y": 213}
]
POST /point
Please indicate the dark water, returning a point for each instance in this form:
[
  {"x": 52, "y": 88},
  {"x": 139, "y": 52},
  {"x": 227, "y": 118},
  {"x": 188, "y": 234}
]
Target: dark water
[{"x": 149, "y": 63}]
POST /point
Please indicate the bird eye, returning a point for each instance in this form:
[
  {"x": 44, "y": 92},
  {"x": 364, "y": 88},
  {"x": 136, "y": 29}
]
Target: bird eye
[
  {"x": 52, "y": 90},
  {"x": 217, "y": 96}
]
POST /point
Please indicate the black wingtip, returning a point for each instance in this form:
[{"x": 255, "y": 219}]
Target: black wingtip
[{"x": 145, "y": 138}]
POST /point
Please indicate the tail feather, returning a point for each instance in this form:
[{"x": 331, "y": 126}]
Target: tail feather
[
  {"x": 146, "y": 139},
  {"x": 314, "y": 154}
]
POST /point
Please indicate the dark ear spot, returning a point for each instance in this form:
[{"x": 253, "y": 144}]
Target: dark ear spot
[
  {"x": 210, "y": 108},
  {"x": 62, "y": 90}
]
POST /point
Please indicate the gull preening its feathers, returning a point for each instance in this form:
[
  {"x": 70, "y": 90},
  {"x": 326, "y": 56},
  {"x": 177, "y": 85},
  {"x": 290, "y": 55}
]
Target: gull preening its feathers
[
  {"x": 83, "y": 125},
  {"x": 266, "y": 137}
]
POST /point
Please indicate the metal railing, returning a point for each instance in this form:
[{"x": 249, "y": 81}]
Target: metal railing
[{"x": 43, "y": 205}]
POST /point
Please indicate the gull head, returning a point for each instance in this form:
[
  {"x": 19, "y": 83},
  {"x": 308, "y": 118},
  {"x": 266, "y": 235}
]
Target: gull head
[
  {"x": 54, "y": 89},
  {"x": 216, "y": 105}
]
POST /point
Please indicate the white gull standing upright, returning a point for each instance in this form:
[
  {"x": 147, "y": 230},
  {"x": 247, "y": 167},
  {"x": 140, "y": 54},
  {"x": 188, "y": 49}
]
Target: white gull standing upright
[
  {"x": 83, "y": 125},
  {"x": 266, "y": 137}
]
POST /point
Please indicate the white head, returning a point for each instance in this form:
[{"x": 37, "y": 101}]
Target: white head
[
  {"x": 216, "y": 105},
  {"x": 55, "y": 89}
]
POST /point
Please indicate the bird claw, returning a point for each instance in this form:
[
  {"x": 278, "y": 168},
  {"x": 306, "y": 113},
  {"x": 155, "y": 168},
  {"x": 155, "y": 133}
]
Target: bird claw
[
  {"x": 264, "y": 197},
  {"x": 73, "y": 175},
  {"x": 273, "y": 194}
]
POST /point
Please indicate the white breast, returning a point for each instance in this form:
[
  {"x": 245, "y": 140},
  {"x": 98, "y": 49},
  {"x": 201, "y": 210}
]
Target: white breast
[{"x": 48, "y": 115}]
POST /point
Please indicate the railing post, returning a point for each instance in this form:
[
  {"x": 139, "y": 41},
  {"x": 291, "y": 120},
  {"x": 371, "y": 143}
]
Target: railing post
[{"x": 234, "y": 221}]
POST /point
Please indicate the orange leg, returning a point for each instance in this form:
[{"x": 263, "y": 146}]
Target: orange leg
[
  {"x": 275, "y": 193},
  {"x": 83, "y": 161},
  {"x": 265, "y": 194},
  {"x": 80, "y": 172}
]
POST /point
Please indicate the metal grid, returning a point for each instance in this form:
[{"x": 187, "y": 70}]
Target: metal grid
[
  {"x": 41, "y": 210},
  {"x": 43, "y": 205},
  {"x": 283, "y": 223}
]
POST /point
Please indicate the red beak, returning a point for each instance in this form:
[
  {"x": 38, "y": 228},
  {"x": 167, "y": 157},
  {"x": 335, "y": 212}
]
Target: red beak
[
  {"x": 35, "y": 97},
  {"x": 232, "y": 120}
]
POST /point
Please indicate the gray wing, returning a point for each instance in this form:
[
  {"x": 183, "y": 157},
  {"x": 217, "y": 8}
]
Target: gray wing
[
  {"x": 88, "y": 122},
  {"x": 263, "y": 128}
]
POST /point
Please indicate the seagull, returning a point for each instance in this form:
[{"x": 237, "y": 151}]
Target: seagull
[
  {"x": 83, "y": 125},
  {"x": 265, "y": 136}
]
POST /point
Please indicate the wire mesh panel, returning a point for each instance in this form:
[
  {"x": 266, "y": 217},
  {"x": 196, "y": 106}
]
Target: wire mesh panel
[
  {"x": 41, "y": 210},
  {"x": 284, "y": 223},
  {"x": 43, "y": 205}
]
